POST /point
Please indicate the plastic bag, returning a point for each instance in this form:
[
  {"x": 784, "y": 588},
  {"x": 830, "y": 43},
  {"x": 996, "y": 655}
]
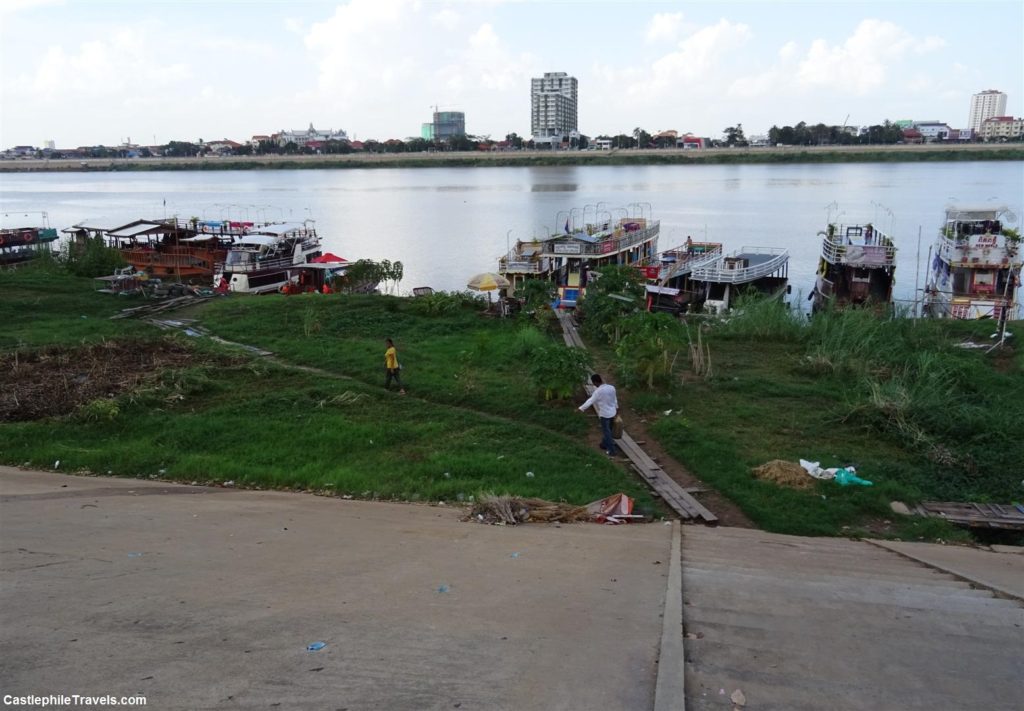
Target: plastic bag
[
  {"x": 848, "y": 476},
  {"x": 617, "y": 428}
]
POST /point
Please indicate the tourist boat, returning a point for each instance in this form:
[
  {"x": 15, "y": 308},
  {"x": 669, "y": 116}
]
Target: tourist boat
[
  {"x": 21, "y": 244},
  {"x": 168, "y": 249},
  {"x": 272, "y": 256},
  {"x": 857, "y": 267},
  {"x": 975, "y": 266},
  {"x": 569, "y": 257},
  {"x": 674, "y": 291},
  {"x": 763, "y": 269}
]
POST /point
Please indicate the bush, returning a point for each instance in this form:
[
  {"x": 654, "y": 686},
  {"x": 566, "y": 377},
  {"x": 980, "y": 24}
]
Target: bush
[
  {"x": 557, "y": 370},
  {"x": 647, "y": 351},
  {"x": 91, "y": 259},
  {"x": 616, "y": 293}
]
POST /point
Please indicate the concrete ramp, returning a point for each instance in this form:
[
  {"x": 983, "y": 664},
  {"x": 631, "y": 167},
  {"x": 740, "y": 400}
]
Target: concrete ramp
[{"x": 811, "y": 623}]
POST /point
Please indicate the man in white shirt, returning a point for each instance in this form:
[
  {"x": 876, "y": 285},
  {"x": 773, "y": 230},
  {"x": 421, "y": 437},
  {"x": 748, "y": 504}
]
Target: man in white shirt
[{"x": 606, "y": 404}]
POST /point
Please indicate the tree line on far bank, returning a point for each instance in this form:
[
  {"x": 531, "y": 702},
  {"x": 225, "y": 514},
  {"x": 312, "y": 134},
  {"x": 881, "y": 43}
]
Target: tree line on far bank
[{"x": 802, "y": 134}]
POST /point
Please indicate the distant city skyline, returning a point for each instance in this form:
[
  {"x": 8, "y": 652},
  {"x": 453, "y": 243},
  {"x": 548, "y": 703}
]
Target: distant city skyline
[{"x": 87, "y": 73}]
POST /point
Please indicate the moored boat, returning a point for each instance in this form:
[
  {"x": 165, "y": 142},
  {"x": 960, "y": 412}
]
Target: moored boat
[
  {"x": 763, "y": 269},
  {"x": 857, "y": 267},
  {"x": 976, "y": 265},
  {"x": 20, "y": 244},
  {"x": 568, "y": 257},
  {"x": 271, "y": 257}
]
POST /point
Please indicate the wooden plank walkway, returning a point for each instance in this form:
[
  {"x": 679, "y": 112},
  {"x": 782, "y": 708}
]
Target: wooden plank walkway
[{"x": 677, "y": 497}]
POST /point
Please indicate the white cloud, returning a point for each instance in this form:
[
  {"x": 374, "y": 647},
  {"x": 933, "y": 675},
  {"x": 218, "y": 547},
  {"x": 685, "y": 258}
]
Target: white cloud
[
  {"x": 295, "y": 25},
  {"x": 10, "y": 7},
  {"x": 863, "y": 61},
  {"x": 447, "y": 19},
  {"x": 120, "y": 65},
  {"x": 664, "y": 26}
]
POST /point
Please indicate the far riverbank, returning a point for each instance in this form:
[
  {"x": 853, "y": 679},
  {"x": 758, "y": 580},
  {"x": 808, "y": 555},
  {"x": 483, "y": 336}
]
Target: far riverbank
[{"x": 777, "y": 154}]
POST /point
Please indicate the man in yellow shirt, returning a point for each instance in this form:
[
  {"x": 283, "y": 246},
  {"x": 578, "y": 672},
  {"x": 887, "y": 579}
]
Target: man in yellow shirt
[{"x": 392, "y": 367}]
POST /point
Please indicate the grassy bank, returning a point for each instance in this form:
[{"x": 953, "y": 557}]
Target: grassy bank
[
  {"x": 224, "y": 416},
  {"x": 717, "y": 156},
  {"x": 917, "y": 414}
]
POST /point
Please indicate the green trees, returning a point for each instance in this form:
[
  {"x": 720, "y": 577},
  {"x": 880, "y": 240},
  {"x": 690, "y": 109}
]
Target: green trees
[
  {"x": 557, "y": 370},
  {"x": 734, "y": 136},
  {"x": 614, "y": 294}
]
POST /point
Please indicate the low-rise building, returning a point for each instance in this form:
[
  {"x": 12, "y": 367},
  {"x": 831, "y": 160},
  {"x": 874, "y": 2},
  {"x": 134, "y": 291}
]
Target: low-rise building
[
  {"x": 301, "y": 138},
  {"x": 933, "y": 130},
  {"x": 1002, "y": 128}
]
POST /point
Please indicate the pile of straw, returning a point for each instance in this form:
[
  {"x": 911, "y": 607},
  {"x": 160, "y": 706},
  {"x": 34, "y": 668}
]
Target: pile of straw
[
  {"x": 783, "y": 473},
  {"x": 491, "y": 508}
]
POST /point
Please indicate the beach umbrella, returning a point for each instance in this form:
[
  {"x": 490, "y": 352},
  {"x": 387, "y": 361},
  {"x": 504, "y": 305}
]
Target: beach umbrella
[{"x": 488, "y": 281}]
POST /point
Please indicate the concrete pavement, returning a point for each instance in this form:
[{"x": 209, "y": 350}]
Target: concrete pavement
[
  {"x": 803, "y": 623},
  {"x": 205, "y": 598}
]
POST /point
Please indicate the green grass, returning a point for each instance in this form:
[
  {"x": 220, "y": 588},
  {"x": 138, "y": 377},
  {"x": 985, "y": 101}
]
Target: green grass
[
  {"x": 921, "y": 418},
  {"x": 457, "y": 358},
  {"x": 469, "y": 414},
  {"x": 42, "y": 306}
]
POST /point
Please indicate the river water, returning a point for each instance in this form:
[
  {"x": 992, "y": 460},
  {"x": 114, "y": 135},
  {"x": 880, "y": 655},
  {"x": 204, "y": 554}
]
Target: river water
[{"x": 446, "y": 224}]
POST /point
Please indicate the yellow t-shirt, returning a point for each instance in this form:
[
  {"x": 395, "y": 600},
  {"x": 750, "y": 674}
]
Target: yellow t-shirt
[{"x": 391, "y": 358}]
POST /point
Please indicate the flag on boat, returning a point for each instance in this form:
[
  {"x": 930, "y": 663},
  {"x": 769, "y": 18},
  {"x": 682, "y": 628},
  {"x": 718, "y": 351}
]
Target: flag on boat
[{"x": 567, "y": 225}]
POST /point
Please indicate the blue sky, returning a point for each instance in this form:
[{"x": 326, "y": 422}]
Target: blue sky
[{"x": 84, "y": 72}]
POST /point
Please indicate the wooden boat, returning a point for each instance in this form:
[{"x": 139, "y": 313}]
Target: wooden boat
[
  {"x": 857, "y": 267},
  {"x": 567, "y": 258},
  {"x": 21, "y": 244},
  {"x": 975, "y": 267}
]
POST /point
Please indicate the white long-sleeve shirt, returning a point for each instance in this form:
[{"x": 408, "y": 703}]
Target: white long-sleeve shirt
[{"x": 603, "y": 400}]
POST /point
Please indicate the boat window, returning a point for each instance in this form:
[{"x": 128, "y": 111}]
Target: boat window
[
  {"x": 234, "y": 258},
  {"x": 960, "y": 281}
]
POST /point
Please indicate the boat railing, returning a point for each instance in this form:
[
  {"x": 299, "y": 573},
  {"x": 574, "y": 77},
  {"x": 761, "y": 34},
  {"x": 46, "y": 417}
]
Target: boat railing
[
  {"x": 720, "y": 273},
  {"x": 259, "y": 265},
  {"x": 151, "y": 257},
  {"x": 507, "y": 266},
  {"x": 837, "y": 251},
  {"x": 608, "y": 246},
  {"x": 687, "y": 261}
]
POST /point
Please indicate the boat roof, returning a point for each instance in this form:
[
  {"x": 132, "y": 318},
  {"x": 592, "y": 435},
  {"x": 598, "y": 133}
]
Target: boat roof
[
  {"x": 581, "y": 236},
  {"x": 257, "y": 240},
  {"x": 976, "y": 212},
  {"x": 666, "y": 290},
  {"x": 138, "y": 228},
  {"x": 100, "y": 224},
  {"x": 278, "y": 228}
]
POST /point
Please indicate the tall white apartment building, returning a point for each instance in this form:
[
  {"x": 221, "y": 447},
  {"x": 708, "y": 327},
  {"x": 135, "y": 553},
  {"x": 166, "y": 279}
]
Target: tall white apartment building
[
  {"x": 553, "y": 107},
  {"x": 986, "y": 105}
]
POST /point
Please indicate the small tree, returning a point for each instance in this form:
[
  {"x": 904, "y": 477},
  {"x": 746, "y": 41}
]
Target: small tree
[
  {"x": 615, "y": 293},
  {"x": 648, "y": 349},
  {"x": 558, "y": 370}
]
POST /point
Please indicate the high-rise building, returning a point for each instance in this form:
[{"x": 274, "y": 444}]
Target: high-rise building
[
  {"x": 446, "y": 124},
  {"x": 986, "y": 105},
  {"x": 553, "y": 107}
]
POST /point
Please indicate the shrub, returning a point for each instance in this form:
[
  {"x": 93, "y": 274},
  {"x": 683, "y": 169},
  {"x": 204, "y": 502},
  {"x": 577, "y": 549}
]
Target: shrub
[
  {"x": 647, "y": 351},
  {"x": 557, "y": 370}
]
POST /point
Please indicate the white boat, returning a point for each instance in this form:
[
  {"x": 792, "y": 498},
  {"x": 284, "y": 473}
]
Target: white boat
[
  {"x": 270, "y": 257},
  {"x": 976, "y": 265},
  {"x": 763, "y": 269}
]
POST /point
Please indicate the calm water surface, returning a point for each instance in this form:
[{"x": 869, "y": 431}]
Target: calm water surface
[{"x": 446, "y": 224}]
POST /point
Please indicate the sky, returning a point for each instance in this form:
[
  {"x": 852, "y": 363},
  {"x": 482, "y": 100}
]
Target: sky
[{"x": 88, "y": 72}]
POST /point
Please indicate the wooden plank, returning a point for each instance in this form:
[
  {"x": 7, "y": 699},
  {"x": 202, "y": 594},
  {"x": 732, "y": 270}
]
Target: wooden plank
[{"x": 681, "y": 501}]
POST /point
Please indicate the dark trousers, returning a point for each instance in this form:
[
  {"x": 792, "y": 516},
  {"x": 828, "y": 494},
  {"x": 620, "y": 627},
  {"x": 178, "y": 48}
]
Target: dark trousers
[
  {"x": 607, "y": 441},
  {"x": 392, "y": 374}
]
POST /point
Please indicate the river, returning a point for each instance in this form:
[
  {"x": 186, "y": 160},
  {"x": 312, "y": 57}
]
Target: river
[{"x": 446, "y": 224}]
